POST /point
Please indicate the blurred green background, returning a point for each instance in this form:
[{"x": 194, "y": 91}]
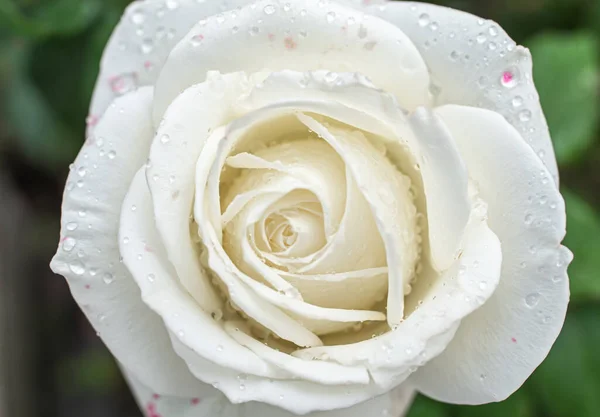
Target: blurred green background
[{"x": 52, "y": 363}]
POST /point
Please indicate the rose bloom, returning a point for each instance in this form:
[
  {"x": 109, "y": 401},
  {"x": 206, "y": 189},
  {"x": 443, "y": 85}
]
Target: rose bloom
[{"x": 310, "y": 207}]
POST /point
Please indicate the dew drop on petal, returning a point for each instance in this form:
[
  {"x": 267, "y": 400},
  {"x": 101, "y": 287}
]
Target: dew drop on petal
[
  {"x": 532, "y": 300},
  {"x": 525, "y": 116},
  {"x": 77, "y": 268},
  {"x": 68, "y": 244},
  {"x": 423, "y": 20},
  {"x": 517, "y": 101},
  {"x": 108, "y": 278}
]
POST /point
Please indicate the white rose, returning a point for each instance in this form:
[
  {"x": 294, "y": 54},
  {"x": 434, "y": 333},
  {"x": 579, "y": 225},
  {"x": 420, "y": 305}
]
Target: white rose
[{"x": 308, "y": 207}]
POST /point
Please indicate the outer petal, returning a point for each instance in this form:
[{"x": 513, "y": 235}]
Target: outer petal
[
  {"x": 142, "y": 41},
  {"x": 475, "y": 63},
  {"x": 498, "y": 346},
  {"x": 290, "y": 34},
  {"x": 88, "y": 255},
  {"x": 393, "y": 404}
]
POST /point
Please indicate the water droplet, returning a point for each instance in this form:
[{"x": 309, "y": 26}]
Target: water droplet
[
  {"x": 138, "y": 17},
  {"x": 71, "y": 226},
  {"x": 82, "y": 213},
  {"x": 330, "y": 77},
  {"x": 77, "y": 268},
  {"x": 482, "y": 285},
  {"x": 108, "y": 278},
  {"x": 330, "y": 17},
  {"x": 493, "y": 31},
  {"x": 172, "y": 4},
  {"x": 112, "y": 155},
  {"x": 196, "y": 40},
  {"x": 151, "y": 277},
  {"x": 68, "y": 244},
  {"x": 242, "y": 387},
  {"x": 532, "y": 300},
  {"x": 492, "y": 46},
  {"x": 481, "y": 38},
  {"x": 525, "y": 116},
  {"x": 133, "y": 208},
  {"x": 147, "y": 46},
  {"x": 254, "y": 30},
  {"x": 528, "y": 219},
  {"x": 164, "y": 139},
  {"x": 424, "y": 20},
  {"x": 125, "y": 240},
  {"x": 454, "y": 55},
  {"x": 269, "y": 9},
  {"x": 123, "y": 83},
  {"x": 220, "y": 348},
  {"x": 517, "y": 101},
  {"x": 462, "y": 269},
  {"x": 434, "y": 26}
]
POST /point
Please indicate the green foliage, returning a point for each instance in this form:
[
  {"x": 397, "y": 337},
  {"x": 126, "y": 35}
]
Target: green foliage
[
  {"x": 566, "y": 72},
  {"x": 425, "y": 407},
  {"x": 583, "y": 238},
  {"x": 58, "y": 17},
  {"x": 568, "y": 382}
]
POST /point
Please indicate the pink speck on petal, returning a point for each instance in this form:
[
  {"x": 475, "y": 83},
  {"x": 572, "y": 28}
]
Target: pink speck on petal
[
  {"x": 155, "y": 396},
  {"x": 290, "y": 43},
  {"x": 271, "y": 37},
  {"x": 507, "y": 77},
  {"x": 87, "y": 286},
  {"x": 148, "y": 249},
  {"x": 123, "y": 83},
  {"x": 195, "y": 401},
  {"x": 91, "y": 120},
  {"x": 513, "y": 340}
]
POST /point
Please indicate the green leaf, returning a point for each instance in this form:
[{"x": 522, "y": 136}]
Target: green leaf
[
  {"x": 42, "y": 137},
  {"x": 517, "y": 405},
  {"x": 58, "y": 17},
  {"x": 425, "y": 407},
  {"x": 583, "y": 238},
  {"x": 94, "y": 370},
  {"x": 568, "y": 381},
  {"x": 566, "y": 72}
]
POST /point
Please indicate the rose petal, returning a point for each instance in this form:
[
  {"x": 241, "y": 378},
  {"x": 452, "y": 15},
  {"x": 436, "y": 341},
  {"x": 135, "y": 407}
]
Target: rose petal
[
  {"x": 387, "y": 192},
  {"x": 142, "y": 41},
  {"x": 157, "y": 281},
  {"x": 173, "y": 155},
  {"x": 291, "y": 37},
  {"x": 475, "y": 63},
  {"x": 499, "y": 346},
  {"x": 446, "y": 182},
  {"x": 427, "y": 330},
  {"x": 394, "y": 404},
  {"x": 88, "y": 256}
]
